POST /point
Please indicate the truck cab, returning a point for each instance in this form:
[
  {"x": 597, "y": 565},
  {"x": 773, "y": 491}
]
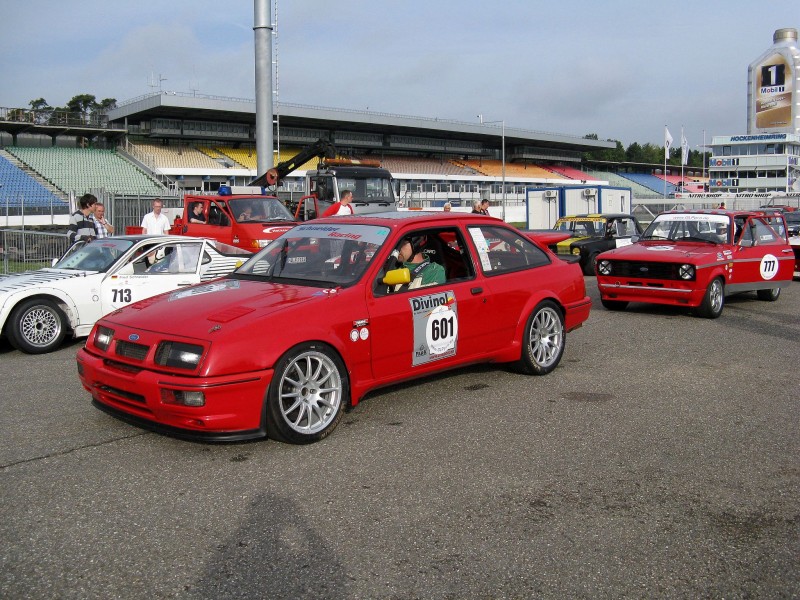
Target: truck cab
[
  {"x": 371, "y": 186},
  {"x": 241, "y": 217}
]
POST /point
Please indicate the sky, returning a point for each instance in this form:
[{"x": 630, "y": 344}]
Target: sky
[{"x": 621, "y": 69}]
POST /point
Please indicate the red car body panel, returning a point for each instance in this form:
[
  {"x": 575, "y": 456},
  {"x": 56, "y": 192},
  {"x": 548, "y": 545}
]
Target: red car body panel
[
  {"x": 742, "y": 268},
  {"x": 245, "y": 326}
]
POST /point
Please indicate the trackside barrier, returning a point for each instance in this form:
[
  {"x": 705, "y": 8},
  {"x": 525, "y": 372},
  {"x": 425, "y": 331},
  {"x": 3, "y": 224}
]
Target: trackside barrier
[{"x": 22, "y": 250}]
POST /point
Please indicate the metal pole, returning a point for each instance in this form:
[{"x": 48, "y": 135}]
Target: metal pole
[
  {"x": 504, "y": 168},
  {"x": 262, "y": 28}
]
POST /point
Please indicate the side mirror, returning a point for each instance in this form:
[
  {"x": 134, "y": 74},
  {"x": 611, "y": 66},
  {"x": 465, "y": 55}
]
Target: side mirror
[
  {"x": 53, "y": 262},
  {"x": 635, "y": 238},
  {"x": 397, "y": 277}
]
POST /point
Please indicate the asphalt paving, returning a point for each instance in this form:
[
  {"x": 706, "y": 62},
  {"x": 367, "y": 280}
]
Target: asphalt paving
[{"x": 661, "y": 459}]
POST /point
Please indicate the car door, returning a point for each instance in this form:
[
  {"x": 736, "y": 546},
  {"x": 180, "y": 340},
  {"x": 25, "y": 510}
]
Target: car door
[
  {"x": 414, "y": 331},
  {"x": 511, "y": 265},
  {"x": 217, "y": 226},
  {"x": 162, "y": 268},
  {"x": 762, "y": 256}
]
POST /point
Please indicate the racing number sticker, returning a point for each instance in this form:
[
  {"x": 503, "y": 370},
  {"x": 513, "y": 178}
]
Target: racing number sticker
[
  {"x": 769, "y": 266},
  {"x": 121, "y": 295},
  {"x": 435, "y": 319}
]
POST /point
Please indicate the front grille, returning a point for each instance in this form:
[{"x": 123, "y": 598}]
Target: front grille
[
  {"x": 644, "y": 270},
  {"x": 131, "y": 350}
]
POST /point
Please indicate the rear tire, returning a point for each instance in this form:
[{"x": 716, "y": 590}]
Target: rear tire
[
  {"x": 713, "y": 300},
  {"x": 543, "y": 341},
  {"x": 307, "y": 394},
  {"x": 769, "y": 295},
  {"x": 614, "y": 304},
  {"x": 36, "y": 326}
]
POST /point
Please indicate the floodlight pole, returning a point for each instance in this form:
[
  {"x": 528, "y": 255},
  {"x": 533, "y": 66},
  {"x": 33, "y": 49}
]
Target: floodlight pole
[
  {"x": 262, "y": 27},
  {"x": 502, "y": 155}
]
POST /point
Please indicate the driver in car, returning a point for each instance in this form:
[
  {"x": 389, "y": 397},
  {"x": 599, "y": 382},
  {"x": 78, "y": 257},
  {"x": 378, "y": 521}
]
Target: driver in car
[{"x": 424, "y": 272}]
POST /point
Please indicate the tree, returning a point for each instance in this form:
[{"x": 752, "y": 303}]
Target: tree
[{"x": 42, "y": 110}]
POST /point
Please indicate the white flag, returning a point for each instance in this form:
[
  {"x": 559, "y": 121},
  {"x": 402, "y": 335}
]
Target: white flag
[
  {"x": 667, "y": 142},
  {"x": 684, "y": 149}
]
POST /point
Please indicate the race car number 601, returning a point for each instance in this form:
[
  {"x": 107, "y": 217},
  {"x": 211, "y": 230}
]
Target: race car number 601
[
  {"x": 441, "y": 330},
  {"x": 435, "y": 320}
]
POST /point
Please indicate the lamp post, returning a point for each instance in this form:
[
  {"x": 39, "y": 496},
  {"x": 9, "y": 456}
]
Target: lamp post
[{"x": 502, "y": 155}]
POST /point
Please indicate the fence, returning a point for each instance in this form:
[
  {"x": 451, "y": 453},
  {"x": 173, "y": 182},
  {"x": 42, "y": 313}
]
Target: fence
[{"x": 24, "y": 250}]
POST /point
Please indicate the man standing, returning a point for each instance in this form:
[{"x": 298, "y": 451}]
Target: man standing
[
  {"x": 156, "y": 222},
  {"x": 342, "y": 207},
  {"x": 81, "y": 226},
  {"x": 103, "y": 228}
]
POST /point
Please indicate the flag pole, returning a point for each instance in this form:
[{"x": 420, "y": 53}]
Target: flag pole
[
  {"x": 683, "y": 151},
  {"x": 666, "y": 151}
]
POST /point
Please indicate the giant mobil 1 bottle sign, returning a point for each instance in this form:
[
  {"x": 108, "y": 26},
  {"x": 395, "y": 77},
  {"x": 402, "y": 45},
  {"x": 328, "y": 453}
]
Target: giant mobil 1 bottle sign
[{"x": 772, "y": 90}]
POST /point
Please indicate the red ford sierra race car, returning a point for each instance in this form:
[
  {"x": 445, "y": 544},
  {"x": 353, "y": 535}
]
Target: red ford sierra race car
[
  {"x": 696, "y": 258},
  {"x": 328, "y": 311}
]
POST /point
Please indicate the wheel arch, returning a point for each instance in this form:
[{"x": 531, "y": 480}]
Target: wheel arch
[
  {"x": 62, "y": 301},
  {"x": 512, "y": 353}
]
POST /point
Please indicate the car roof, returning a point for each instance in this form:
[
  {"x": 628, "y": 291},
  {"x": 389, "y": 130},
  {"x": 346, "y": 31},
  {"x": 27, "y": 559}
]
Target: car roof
[
  {"x": 398, "y": 218},
  {"x": 597, "y": 216}
]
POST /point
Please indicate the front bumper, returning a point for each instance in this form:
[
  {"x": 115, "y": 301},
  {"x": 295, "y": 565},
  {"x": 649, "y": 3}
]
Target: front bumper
[
  {"x": 233, "y": 410},
  {"x": 653, "y": 291}
]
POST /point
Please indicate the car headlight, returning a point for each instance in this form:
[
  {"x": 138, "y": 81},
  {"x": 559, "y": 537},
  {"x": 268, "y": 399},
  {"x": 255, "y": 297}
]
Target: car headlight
[
  {"x": 178, "y": 355},
  {"x": 576, "y": 250},
  {"x": 686, "y": 272},
  {"x": 103, "y": 337},
  {"x": 604, "y": 267}
]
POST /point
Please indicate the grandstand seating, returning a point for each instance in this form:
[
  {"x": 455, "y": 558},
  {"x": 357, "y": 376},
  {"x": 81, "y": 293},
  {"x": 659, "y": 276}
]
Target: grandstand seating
[
  {"x": 173, "y": 157},
  {"x": 242, "y": 156},
  {"x": 690, "y": 184},
  {"x": 82, "y": 169},
  {"x": 494, "y": 168},
  {"x": 569, "y": 172},
  {"x": 653, "y": 183},
  {"x": 638, "y": 190},
  {"x": 18, "y": 188},
  {"x": 424, "y": 166}
]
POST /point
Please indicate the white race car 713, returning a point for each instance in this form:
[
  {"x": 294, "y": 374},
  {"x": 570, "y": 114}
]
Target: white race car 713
[{"x": 39, "y": 308}]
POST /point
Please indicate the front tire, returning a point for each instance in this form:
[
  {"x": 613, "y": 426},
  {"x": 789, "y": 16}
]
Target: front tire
[
  {"x": 614, "y": 304},
  {"x": 713, "y": 300},
  {"x": 307, "y": 393},
  {"x": 543, "y": 341},
  {"x": 769, "y": 295},
  {"x": 36, "y": 326}
]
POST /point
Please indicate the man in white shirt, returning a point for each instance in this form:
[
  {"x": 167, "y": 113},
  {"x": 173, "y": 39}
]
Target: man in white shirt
[{"x": 156, "y": 222}]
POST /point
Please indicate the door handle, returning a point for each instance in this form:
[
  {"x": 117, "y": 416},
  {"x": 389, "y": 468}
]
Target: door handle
[
  {"x": 787, "y": 251},
  {"x": 476, "y": 290}
]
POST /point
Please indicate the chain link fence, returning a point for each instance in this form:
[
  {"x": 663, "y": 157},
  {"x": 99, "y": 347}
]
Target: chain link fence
[{"x": 24, "y": 250}]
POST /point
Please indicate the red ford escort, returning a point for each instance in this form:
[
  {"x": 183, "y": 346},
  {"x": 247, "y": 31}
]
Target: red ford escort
[
  {"x": 696, "y": 258},
  {"x": 329, "y": 310}
]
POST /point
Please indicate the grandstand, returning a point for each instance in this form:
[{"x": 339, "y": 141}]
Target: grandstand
[
  {"x": 17, "y": 187},
  {"x": 81, "y": 169},
  {"x": 653, "y": 183},
  {"x": 164, "y": 144}
]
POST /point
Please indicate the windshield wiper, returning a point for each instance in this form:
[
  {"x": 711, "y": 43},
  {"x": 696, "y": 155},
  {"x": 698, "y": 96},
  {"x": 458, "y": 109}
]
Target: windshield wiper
[{"x": 692, "y": 238}]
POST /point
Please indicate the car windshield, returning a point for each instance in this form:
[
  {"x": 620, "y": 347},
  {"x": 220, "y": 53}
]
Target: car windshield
[
  {"x": 581, "y": 227},
  {"x": 317, "y": 255},
  {"x": 689, "y": 227},
  {"x": 97, "y": 255},
  {"x": 259, "y": 210}
]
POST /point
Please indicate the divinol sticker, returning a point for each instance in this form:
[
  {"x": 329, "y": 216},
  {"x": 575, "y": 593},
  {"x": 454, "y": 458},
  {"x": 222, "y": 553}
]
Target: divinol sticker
[{"x": 435, "y": 319}]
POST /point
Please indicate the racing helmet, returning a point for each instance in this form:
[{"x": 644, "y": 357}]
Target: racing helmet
[{"x": 418, "y": 243}]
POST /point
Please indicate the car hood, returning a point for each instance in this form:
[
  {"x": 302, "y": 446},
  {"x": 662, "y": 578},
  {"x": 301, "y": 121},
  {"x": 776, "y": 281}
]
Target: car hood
[
  {"x": 18, "y": 281},
  {"x": 193, "y": 311},
  {"x": 665, "y": 251}
]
